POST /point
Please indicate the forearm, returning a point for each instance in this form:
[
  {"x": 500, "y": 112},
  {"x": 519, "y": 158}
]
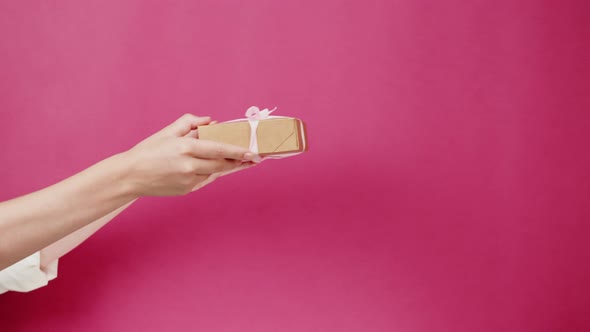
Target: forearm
[
  {"x": 168, "y": 163},
  {"x": 35, "y": 221},
  {"x": 63, "y": 246}
]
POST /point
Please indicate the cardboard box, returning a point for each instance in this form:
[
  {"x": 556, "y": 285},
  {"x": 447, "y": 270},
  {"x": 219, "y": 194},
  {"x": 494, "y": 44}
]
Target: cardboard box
[{"x": 275, "y": 136}]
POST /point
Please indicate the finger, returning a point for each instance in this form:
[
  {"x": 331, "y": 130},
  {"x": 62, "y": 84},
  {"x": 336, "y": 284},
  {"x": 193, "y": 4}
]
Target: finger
[
  {"x": 211, "y": 166},
  {"x": 195, "y": 133},
  {"x": 185, "y": 124},
  {"x": 216, "y": 150}
]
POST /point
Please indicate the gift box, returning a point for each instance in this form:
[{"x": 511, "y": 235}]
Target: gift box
[{"x": 269, "y": 136}]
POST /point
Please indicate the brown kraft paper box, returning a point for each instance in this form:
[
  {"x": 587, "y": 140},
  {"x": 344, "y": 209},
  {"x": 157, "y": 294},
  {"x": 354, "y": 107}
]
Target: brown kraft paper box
[{"x": 275, "y": 136}]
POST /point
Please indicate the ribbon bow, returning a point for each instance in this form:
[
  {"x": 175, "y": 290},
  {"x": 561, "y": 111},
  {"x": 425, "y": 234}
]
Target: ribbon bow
[{"x": 254, "y": 113}]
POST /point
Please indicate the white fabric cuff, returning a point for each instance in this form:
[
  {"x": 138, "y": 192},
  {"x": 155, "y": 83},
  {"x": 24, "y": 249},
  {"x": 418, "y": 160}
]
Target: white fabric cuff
[{"x": 27, "y": 275}]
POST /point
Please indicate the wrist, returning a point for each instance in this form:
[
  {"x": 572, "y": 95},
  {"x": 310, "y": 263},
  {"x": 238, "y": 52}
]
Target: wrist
[{"x": 123, "y": 165}]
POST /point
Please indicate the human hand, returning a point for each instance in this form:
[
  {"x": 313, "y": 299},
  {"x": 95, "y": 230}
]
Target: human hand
[{"x": 173, "y": 162}]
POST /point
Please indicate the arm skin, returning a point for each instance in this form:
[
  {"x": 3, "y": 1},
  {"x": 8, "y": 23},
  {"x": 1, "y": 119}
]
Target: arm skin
[
  {"x": 63, "y": 246},
  {"x": 165, "y": 164},
  {"x": 35, "y": 221},
  {"x": 66, "y": 244}
]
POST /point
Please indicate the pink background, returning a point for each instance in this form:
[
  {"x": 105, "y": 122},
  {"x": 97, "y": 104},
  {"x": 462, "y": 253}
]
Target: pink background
[{"x": 447, "y": 186}]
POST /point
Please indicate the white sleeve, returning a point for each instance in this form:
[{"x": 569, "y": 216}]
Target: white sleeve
[{"x": 27, "y": 275}]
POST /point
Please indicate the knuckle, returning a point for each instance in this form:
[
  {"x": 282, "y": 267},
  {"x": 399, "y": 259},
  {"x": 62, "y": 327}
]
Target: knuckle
[
  {"x": 181, "y": 121},
  {"x": 184, "y": 147},
  {"x": 219, "y": 167},
  {"x": 186, "y": 168},
  {"x": 185, "y": 121},
  {"x": 219, "y": 151}
]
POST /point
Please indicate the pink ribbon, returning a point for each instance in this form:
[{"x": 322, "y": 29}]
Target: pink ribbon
[{"x": 254, "y": 115}]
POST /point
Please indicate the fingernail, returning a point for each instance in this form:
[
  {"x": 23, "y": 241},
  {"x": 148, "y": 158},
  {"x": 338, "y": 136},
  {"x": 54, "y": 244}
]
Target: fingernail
[{"x": 252, "y": 157}]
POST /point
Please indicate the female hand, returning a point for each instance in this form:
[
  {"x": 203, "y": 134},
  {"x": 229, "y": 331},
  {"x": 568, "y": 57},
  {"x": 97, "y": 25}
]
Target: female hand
[{"x": 173, "y": 162}]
